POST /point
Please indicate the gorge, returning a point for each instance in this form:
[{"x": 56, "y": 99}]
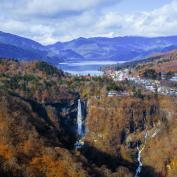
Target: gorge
[
  {"x": 88, "y": 88},
  {"x": 47, "y": 116}
]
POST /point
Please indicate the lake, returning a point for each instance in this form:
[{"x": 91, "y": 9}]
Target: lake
[{"x": 85, "y": 67}]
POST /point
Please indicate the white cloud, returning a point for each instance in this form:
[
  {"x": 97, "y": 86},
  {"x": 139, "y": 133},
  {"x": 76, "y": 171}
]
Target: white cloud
[
  {"x": 44, "y": 8},
  {"x": 49, "y": 21},
  {"x": 162, "y": 21}
]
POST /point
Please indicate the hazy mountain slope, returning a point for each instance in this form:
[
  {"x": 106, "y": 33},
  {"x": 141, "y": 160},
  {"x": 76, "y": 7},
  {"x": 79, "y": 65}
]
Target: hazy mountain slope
[
  {"x": 99, "y": 48},
  {"x": 13, "y": 46},
  {"x": 10, "y": 51},
  {"x": 119, "y": 48},
  {"x": 18, "y": 41}
]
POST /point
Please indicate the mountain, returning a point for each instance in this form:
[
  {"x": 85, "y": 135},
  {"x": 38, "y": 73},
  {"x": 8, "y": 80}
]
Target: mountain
[
  {"x": 11, "y": 51},
  {"x": 97, "y": 49},
  {"x": 21, "y": 42},
  {"x": 13, "y": 46},
  {"x": 118, "y": 48}
]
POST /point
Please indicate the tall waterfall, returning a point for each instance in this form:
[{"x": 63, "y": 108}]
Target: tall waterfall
[
  {"x": 80, "y": 130},
  {"x": 79, "y": 119}
]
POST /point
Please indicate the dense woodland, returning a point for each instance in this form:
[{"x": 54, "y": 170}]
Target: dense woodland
[{"x": 38, "y": 109}]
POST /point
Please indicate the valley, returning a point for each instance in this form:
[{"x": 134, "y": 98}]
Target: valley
[
  {"x": 88, "y": 88},
  {"x": 54, "y": 124}
]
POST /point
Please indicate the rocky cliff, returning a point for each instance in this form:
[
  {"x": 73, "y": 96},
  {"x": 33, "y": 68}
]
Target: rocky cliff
[{"x": 116, "y": 125}]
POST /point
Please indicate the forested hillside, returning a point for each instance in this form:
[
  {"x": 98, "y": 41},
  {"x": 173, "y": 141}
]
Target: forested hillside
[{"x": 38, "y": 122}]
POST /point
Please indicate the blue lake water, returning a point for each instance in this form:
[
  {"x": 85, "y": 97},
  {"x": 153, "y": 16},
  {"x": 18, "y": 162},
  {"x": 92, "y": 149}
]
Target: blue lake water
[{"x": 85, "y": 67}]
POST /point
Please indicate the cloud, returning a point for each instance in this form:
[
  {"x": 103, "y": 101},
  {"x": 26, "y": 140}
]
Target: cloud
[
  {"x": 53, "y": 8},
  {"x": 49, "y": 21},
  {"x": 161, "y": 21}
]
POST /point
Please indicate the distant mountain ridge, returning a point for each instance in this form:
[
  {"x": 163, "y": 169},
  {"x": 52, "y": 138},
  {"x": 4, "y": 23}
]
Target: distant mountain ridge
[
  {"x": 19, "y": 41},
  {"x": 97, "y": 49}
]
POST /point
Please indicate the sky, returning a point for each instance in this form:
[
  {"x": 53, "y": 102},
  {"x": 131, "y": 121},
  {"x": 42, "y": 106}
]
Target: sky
[{"x": 50, "y": 21}]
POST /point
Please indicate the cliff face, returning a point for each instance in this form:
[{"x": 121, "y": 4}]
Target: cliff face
[
  {"x": 63, "y": 116},
  {"x": 161, "y": 150},
  {"x": 111, "y": 120},
  {"x": 116, "y": 125}
]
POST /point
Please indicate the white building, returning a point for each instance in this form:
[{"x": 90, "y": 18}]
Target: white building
[{"x": 174, "y": 78}]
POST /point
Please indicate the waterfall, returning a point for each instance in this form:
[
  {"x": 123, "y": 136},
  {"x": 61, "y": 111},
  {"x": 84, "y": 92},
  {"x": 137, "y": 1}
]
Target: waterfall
[
  {"x": 138, "y": 170},
  {"x": 80, "y": 131},
  {"x": 79, "y": 119},
  {"x": 140, "y": 164}
]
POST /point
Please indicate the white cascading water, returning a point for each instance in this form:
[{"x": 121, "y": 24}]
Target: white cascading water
[
  {"x": 140, "y": 164},
  {"x": 79, "y": 119},
  {"x": 138, "y": 170},
  {"x": 80, "y": 131}
]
